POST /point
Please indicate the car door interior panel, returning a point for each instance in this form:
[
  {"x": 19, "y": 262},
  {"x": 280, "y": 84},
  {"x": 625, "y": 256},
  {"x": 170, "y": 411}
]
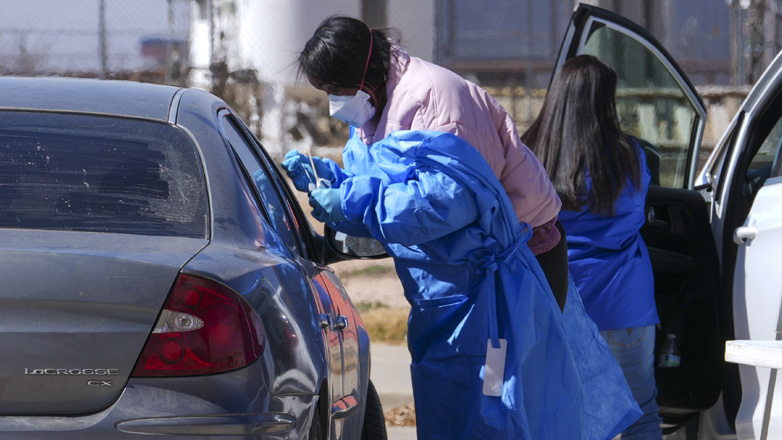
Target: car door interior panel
[{"x": 686, "y": 278}]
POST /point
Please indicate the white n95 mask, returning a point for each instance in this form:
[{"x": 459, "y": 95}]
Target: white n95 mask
[{"x": 354, "y": 110}]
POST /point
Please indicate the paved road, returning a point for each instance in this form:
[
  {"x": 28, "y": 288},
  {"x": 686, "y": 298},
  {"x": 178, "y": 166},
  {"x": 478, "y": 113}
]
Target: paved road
[{"x": 391, "y": 376}]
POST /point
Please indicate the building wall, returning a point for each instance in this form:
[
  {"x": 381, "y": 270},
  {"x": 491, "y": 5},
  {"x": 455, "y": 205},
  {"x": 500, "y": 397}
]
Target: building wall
[{"x": 415, "y": 19}]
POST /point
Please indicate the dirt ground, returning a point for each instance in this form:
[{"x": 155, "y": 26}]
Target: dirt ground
[{"x": 366, "y": 286}]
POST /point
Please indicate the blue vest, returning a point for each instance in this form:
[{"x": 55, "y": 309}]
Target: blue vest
[{"x": 609, "y": 260}]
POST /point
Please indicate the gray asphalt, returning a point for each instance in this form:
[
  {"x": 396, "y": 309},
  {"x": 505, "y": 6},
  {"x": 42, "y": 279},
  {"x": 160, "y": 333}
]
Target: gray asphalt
[{"x": 391, "y": 376}]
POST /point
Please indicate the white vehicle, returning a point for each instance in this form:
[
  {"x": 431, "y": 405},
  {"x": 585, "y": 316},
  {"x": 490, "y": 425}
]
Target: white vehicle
[{"x": 711, "y": 229}]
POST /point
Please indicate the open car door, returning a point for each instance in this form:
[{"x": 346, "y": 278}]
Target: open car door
[
  {"x": 746, "y": 174},
  {"x": 659, "y": 106}
]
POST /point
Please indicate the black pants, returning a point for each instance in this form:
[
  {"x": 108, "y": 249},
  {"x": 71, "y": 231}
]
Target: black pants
[{"x": 554, "y": 264}]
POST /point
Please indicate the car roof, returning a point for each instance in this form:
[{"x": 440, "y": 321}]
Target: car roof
[{"x": 113, "y": 97}]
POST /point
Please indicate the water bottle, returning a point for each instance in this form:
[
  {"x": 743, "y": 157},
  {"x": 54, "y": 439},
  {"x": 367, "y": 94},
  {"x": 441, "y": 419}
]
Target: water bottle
[{"x": 669, "y": 353}]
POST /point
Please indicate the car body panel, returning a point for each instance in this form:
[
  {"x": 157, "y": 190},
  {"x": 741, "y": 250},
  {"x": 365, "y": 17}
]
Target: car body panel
[
  {"x": 310, "y": 339},
  {"x": 186, "y": 408},
  {"x": 71, "y": 95},
  {"x": 304, "y": 368},
  {"x": 88, "y": 311},
  {"x": 758, "y": 297},
  {"x": 745, "y": 170}
]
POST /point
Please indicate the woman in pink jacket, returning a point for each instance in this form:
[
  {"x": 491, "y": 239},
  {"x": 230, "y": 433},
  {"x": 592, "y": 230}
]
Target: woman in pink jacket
[{"x": 377, "y": 87}]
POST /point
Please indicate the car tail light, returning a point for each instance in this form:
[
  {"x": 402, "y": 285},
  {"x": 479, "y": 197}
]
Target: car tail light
[{"x": 204, "y": 328}]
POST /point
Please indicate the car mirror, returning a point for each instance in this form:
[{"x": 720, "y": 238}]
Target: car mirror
[{"x": 349, "y": 246}]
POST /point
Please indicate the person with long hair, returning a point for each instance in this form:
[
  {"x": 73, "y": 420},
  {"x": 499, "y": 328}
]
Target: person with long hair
[
  {"x": 601, "y": 176},
  {"x": 374, "y": 85}
]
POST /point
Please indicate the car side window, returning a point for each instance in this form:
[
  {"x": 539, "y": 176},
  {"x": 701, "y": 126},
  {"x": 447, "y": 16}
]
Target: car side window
[
  {"x": 652, "y": 103},
  {"x": 275, "y": 206},
  {"x": 765, "y": 162},
  {"x": 776, "y": 166}
]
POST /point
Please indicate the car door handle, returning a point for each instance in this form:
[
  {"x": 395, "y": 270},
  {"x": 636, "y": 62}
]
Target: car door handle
[
  {"x": 742, "y": 234},
  {"x": 651, "y": 218},
  {"x": 324, "y": 321},
  {"x": 340, "y": 323}
]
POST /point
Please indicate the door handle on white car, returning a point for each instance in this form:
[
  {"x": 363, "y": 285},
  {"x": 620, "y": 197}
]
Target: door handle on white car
[{"x": 744, "y": 233}]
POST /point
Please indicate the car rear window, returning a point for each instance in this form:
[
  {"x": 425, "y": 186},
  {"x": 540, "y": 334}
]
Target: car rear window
[{"x": 96, "y": 173}]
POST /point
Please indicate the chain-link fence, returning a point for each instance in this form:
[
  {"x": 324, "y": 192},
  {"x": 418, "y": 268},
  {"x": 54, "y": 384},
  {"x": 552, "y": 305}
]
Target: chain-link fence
[
  {"x": 245, "y": 50},
  {"x": 142, "y": 39}
]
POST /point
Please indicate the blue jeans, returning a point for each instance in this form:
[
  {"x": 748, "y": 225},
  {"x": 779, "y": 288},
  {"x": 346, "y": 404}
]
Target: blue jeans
[{"x": 633, "y": 348}]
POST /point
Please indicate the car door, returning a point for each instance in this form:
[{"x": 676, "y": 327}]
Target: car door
[
  {"x": 746, "y": 172},
  {"x": 758, "y": 298},
  {"x": 285, "y": 225},
  {"x": 659, "y": 106},
  {"x": 337, "y": 317}
]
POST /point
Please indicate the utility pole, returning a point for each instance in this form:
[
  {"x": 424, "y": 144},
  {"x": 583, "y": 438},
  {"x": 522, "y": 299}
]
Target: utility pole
[
  {"x": 102, "y": 39},
  {"x": 754, "y": 28},
  {"x": 737, "y": 70},
  {"x": 173, "y": 61},
  {"x": 373, "y": 12}
]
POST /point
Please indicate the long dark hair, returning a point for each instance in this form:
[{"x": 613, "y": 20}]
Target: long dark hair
[
  {"x": 337, "y": 53},
  {"x": 577, "y": 136}
]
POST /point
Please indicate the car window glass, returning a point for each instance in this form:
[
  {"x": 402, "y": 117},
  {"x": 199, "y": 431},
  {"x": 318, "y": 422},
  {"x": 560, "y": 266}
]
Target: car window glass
[
  {"x": 103, "y": 174},
  {"x": 776, "y": 167},
  {"x": 765, "y": 160},
  {"x": 276, "y": 209},
  {"x": 288, "y": 198},
  {"x": 651, "y": 104}
]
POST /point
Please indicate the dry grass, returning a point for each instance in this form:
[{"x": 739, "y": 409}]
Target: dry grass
[
  {"x": 386, "y": 325},
  {"x": 402, "y": 416},
  {"x": 369, "y": 270}
]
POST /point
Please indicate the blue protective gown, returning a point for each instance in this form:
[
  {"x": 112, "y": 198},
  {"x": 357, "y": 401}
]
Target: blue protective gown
[{"x": 461, "y": 254}]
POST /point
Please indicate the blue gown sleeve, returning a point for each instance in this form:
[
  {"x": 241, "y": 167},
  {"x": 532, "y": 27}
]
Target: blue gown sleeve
[
  {"x": 339, "y": 174},
  {"x": 427, "y": 206}
]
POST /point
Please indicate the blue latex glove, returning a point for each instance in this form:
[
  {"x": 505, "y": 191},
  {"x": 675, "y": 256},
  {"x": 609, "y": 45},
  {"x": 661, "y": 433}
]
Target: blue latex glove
[
  {"x": 327, "y": 204},
  {"x": 299, "y": 169}
]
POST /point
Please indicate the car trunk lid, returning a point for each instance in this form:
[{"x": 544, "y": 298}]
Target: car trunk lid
[{"x": 75, "y": 311}]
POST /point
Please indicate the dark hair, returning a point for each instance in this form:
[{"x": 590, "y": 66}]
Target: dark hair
[
  {"x": 577, "y": 135},
  {"x": 337, "y": 53}
]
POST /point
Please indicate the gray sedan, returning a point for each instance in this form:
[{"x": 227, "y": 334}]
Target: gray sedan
[{"x": 159, "y": 277}]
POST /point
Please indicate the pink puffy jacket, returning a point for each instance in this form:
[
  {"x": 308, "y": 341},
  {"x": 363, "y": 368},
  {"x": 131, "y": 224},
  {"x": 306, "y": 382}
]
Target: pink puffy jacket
[{"x": 424, "y": 96}]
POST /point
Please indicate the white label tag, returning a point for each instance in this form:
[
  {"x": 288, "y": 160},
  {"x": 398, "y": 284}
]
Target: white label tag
[{"x": 494, "y": 371}]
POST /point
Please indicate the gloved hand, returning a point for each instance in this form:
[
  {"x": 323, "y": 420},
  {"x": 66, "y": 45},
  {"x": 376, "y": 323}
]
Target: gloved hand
[
  {"x": 327, "y": 204},
  {"x": 299, "y": 169}
]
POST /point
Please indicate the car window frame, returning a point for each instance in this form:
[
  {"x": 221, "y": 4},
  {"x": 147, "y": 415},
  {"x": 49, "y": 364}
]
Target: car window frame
[
  {"x": 762, "y": 129},
  {"x": 299, "y": 247},
  {"x": 718, "y": 166},
  {"x": 306, "y": 232},
  {"x": 749, "y": 133},
  {"x": 587, "y": 18}
]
